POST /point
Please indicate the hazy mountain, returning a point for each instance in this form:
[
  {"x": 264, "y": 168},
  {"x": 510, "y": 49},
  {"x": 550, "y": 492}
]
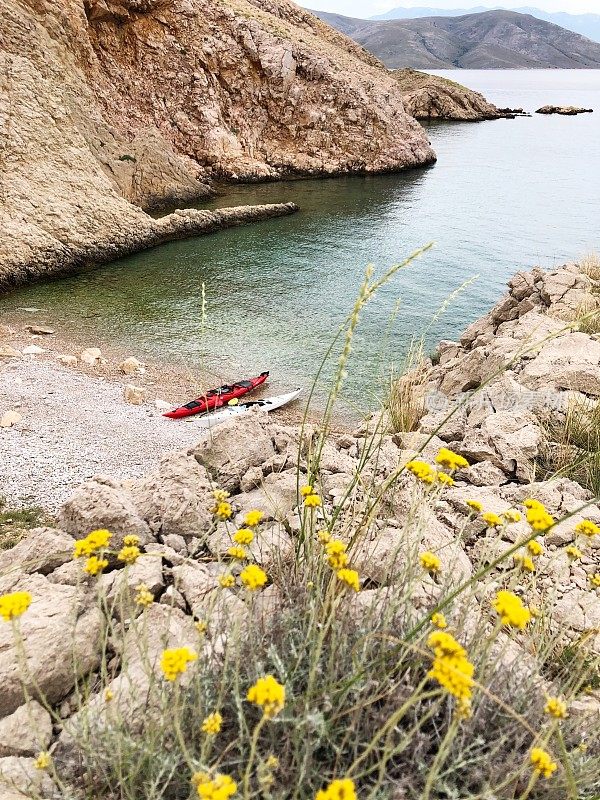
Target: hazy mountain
[
  {"x": 488, "y": 40},
  {"x": 585, "y": 24}
]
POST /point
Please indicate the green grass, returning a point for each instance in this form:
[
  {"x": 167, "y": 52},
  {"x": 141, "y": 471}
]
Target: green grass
[{"x": 16, "y": 522}]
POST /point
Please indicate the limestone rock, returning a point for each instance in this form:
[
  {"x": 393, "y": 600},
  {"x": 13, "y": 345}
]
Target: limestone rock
[
  {"x": 103, "y": 503},
  {"x": 432, "y": 97},
  {"x": 60, "y": 631},
  {"x": 130, "y": 366},
  {"x": 19, "y": 779},
  {"x": 26, "y": 731},
  {"x": 276, "y": 497},
  {"x": 40, "y": 330},
  {"x": 229, "y": 450},
  {"x": 134, "y": 395},
  {"x": 10, "y": 418},
  {"x": 146, "y": 570},
  {"x": 42, "y": 550},
  {"x": 33, "y": 350},
  {"x": 177, "y": 499},
  {"x": 579, "y": 610},
  {"x": 67, "y": 360},
  {"x": 6, "y": 351},
  {"x": 568, "y": 111},
  {"x": 91, "y": 355}
]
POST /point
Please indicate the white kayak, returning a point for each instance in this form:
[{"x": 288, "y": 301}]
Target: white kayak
[{"x": 223, "y": 414}]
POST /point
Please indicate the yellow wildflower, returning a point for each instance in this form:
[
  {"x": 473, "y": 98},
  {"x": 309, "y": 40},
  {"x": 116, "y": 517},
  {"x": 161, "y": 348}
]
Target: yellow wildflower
[
  {"x": 253, "y": 518},
  {"x": 491, "y": 520},
  {"x": 269, "y": 694},
  {"x": 595, "y": 579},
  {"x": 175, "y": 660},
  {"x": 587, "y": 528},
  {"x": 312, "y": 501},
  {"x": 531, "y": 503},
  {"x": 535, "y": 548},
  {"x": 14, "y": 604},
  {"x": 430, "y": 562},
  {"x": 451, "y": 667},
  {"x": 542, "y": 762},
  {"x": 244, "y": 536},
  {"x": 253, "y": 577},
  {"x": 221, "y": 787},
  {"x": 95, "y": 540},
  {"x": 556, "y": 708},
  {"x": 538, "y": 517},
  {"x": 108, "y": 695},
  {"x": 573, "y": 552},
  {"x": 510, "y": 515},
  {"x": 525, "y": 561},
  {"x": 336, "y": 554},
  {"x": 227, "y": 580},
  {"x": 445, "y": 479},
  {"x": 212, "y": 723},
  {"x": 439, "y": 620},
  {"x": 143, "y": 596},
  {"x": 201, "y": 626},
  {"x": 131, "y": 540},
  {"x": 339, "y": 789},
  {"x": 306, "y": 490},
  {"x": 451, "y": 460},
  {"x": 237, "y": 552},
  {"x": 324, "y": 537},
  {"x": 220, "y": 495},
  {"x": 272, "y": 762},
  {"x": 511, "y": 610},
  {"x": 349, "y": 577},
  {"x": 43, "y": 760},
  {"x": 129, "y": 554},
  {"x": 223, "y": 510},
  {"x": 94, "y": 565},
  {"x": 475, "y": 505},
  {"x": 422, "y": 470}
]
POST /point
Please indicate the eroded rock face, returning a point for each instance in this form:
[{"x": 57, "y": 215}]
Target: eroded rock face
[
  {"x": 431, "y": 97},
  {"x": 108, "y": 106}
]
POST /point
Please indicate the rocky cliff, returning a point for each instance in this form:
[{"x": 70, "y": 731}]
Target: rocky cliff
[{"x": 106, "y": 107}]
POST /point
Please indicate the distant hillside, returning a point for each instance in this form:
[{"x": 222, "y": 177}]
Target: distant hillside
[
  {"x": 488, "y": 40},
  {"x": 585, "y": 24}
]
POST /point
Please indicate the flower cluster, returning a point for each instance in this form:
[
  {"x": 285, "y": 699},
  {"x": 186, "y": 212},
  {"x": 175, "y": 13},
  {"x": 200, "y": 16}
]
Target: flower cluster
[
  {"x": 451, "y": 460},
  {"x": 237, "y": 552},
  {"x": 253, "y": 577},
  {"x": 175, "y": 661},
  {"x": 525, "y": 561},
  {"x": 222, "y": 508},
  {"x": 451, "y": 668},
  {"x": 556, "y": 708},
  {"x": 337, "y": 558},
  {"x": 438, "y": 620},
  {"x": 14, "y": 604},
  {"x": 129, "y": 554},
  {"x": 243, "y": 537},
  {"x": 94, "y": 541},
  {"x": 430, "y": 562},
  {"x": 221, "y": 787},
  {"x": 422, "y": 471},
  {"x": 542, "y": 762},
  {"x": 143, "y": 596},
  {"x": 537, "y": 516},
  {"x": 491, "y": 520},
  {"x": 511, "y": 610},
  {"x": 269, "y": 694},
  {"x": 94, "y": 565},
  {"x": 339, "y": 789},
  {"x": 253, "y": 518},
  {"x": 587, "y": 528},
  {"x": 475, "y": 505},
  {"x": 211, "y": 724},
  {"x": 350, "y": 577}
]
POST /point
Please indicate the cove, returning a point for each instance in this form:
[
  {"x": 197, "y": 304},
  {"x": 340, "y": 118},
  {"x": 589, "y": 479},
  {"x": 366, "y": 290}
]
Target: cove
[{"x": 504, "y": 195}]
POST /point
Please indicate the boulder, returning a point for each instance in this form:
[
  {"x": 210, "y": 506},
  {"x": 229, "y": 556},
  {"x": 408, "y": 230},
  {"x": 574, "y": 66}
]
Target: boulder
[
  {"x": 10, "y": 418},
  {"x": 42, "y": 550},
  {"x": 26, "y": 731},
  {"x": 123, "y": 583},
  {"x": 134, "y": 395},
  {"x": 276, "y": 497},
  {"x": 131, "y": 365},
  {"x": 91, "y": 356},
  {"x": 61, "y": 640},
  {"x": 103, "y": 503},
  {"x": 6, "y": 351},
  {"x": 20, "y": 780},
  {"x": 220, "y": 607},
  {"x": 578, "y": 610},
  {"x": 229, "y": 450},
  {"x": 67, "y": 360},
  {"x": 33, "y": 350},
  {"x": 177, "y": 499}
]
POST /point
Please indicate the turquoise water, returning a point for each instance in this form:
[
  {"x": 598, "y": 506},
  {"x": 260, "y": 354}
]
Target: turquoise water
[{"x": 504, "y": 195}]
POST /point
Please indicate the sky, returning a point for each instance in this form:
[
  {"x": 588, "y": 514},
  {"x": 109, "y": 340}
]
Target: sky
[{"x": 368, "y": 8}]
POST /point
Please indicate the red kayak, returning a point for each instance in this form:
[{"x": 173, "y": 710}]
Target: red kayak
[{"x": 215, "y": 398}]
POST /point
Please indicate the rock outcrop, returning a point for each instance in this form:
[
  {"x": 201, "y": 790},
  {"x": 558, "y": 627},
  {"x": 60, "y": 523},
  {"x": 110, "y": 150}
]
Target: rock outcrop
[
  {"x": 565, "y": 111},
  {"x": 110, "y": 107},
  {"x": 429, "y": 97}
]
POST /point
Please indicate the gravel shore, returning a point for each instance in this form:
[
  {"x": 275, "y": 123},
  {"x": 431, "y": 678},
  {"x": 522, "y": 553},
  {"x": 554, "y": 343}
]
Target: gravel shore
[{"x": 75, "y": 422}]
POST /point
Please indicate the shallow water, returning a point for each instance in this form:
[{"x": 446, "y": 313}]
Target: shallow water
[{"x": 504, "y": 195}]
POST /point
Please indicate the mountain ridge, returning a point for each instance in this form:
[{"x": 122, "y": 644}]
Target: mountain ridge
[
  {"x": 584, "y": 24},
  {"x": 488, "y": 40}
]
